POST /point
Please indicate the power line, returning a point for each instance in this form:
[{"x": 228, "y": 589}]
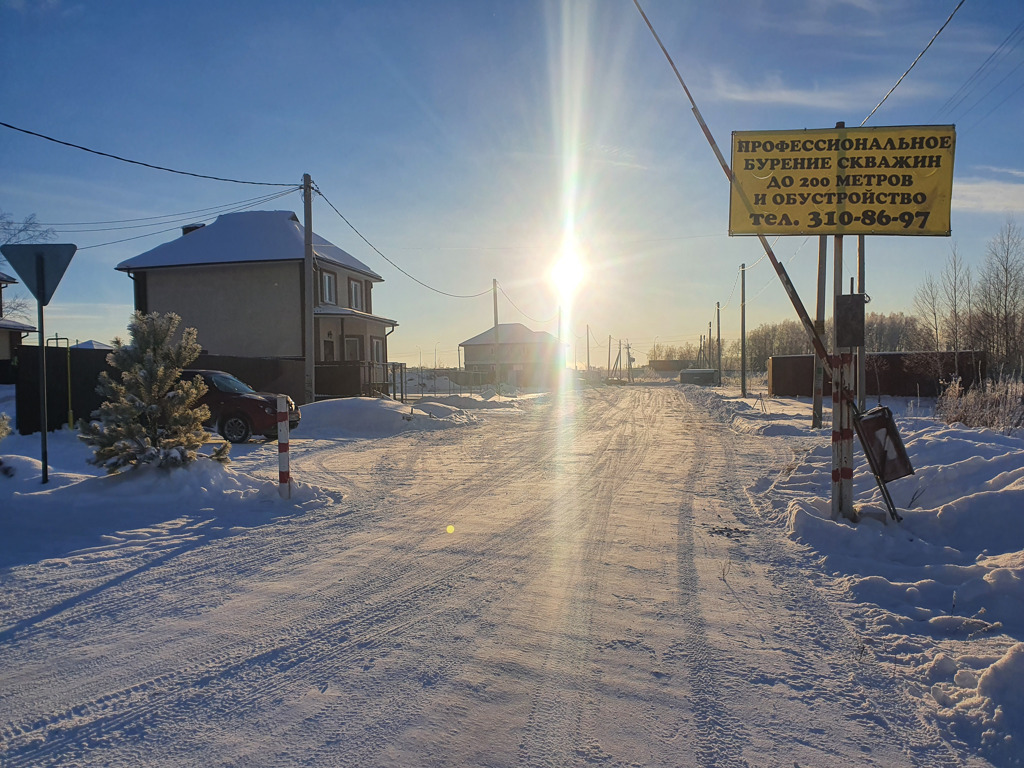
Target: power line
[
  {"x": 997, "y": 106},
  {"x": 913, "y": 62},
  {"x": 969, "y": 85},
  {"x": 528, "y": 317},
  {"x": 389, "y": 261},
  {"x": 261, "y": 199},
  {"x": 176, "y": 227},
  {"x": 733, "y": 290},
  {"x": 139, "y": 162}
]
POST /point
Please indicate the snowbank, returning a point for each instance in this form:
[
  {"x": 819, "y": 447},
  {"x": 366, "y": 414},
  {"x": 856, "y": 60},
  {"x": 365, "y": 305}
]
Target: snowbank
[
  {"x": 367, "y": 417},
  {"x": 754, "y": 415},
  {"x": 939, "y": 596}
]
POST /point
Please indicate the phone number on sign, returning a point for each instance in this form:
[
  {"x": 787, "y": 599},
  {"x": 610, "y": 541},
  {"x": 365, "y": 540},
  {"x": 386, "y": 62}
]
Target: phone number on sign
[{"x": 868, "y": 218}]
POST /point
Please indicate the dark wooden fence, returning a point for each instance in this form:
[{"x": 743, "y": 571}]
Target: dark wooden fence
[
  {"x": 285, "y": 376},
  {"x": 897, "y": 374}
]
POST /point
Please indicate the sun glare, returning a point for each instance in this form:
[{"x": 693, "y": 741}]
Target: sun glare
[{"x": 567, "y": 275}]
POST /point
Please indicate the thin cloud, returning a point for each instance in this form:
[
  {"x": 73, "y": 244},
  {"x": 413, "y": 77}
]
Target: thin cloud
[
  {"x": 773, "y": 90},
  {"x": 987, "y": 196},
  {"x": 1008, "y": 171}
]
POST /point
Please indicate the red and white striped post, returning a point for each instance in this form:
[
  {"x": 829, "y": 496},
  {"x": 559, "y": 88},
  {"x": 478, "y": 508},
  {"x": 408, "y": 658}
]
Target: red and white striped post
[
  {"x": 842, "y": 411},
  {"x": 284, "y": 474}
]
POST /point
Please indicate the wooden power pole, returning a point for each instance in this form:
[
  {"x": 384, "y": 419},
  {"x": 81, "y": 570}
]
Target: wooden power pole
[{"x": 308, "y": 342}]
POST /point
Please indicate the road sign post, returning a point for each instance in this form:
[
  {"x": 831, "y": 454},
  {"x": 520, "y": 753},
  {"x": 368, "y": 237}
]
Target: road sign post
[{"x": 40, "y": 267}]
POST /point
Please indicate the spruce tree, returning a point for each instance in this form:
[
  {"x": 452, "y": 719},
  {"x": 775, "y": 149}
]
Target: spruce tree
[{"x": 150, "y": 415}]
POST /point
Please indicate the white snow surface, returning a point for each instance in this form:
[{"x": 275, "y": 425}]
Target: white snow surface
[{"x": 607, "y": 592}]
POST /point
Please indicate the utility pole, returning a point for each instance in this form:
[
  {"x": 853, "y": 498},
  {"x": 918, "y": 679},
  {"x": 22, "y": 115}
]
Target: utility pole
[
  {"x": 588, "y": 349},
  {"x": 718, "y": 343},
  {"x": 862, "y": 391},
  {"x": 609, "y": 369},
  {"x": 497, "y": 341},
  {"x": 308, "y": 342},
  {"x": 817, "y": 407},
  {"x": 743, "y": 330},
  {"x": 708, "y": 355}
]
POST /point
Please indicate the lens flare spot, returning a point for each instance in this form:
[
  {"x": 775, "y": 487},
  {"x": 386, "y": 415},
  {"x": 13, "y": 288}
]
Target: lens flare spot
[{"x": 451, "y": 529}]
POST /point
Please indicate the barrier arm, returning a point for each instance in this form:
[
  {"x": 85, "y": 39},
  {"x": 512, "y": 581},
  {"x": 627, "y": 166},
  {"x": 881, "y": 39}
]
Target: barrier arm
[{"x": 780, "y": 270}]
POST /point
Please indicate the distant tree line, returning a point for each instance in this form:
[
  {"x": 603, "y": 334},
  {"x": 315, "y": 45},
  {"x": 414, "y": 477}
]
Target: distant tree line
[
  {"x": 959, "y": 311},
  {"x": 895, "y": 332},
  {"x": 966, "y": 310}
]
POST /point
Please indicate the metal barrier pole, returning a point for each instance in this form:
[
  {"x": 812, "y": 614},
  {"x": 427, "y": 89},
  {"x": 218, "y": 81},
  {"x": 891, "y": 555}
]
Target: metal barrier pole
[{"x": 284, "y": 487}]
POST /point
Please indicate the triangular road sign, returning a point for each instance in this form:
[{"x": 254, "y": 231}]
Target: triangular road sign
[{"x": 40, "y": 266}]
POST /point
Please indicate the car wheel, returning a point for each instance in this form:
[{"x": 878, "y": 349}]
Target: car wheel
[{"x": 236, "y": 429}]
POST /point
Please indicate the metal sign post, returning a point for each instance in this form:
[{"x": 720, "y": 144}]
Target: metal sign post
[{"x": 40, "y": 267}]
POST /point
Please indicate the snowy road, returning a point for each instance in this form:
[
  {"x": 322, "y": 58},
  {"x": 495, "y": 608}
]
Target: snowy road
[{"x": 607, "y": 597}]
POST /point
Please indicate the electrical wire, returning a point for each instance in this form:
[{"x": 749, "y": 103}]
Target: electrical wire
[
  {"x": 772, "y": 280},
  {"x": 733, "y": 291},
  {"x": 389, "y": 261},
  {"x": 528, "y": 317},
  {"x": 913, "y": 63},
  {"x": 177, "y": 227},
  {"x": 256, "y": 200},
  {"x": 966, "y": 88},
  {"x": 982, "y": 118},
  {"x": 139, "y": 162}
]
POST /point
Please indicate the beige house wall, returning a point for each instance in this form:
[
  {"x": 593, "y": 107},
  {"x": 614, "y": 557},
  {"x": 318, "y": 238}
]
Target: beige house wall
[
  {"x": 248, "y": 310},
  {"x": 333, "y": 329}
]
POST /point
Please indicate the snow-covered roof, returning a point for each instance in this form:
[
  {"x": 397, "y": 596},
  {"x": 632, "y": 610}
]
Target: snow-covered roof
[
  {"x": 5, "y": 278},
  {"x": 247, "y": 236},
  {"x": 511, "y": 333},
  {"x": 91, "y": 344},
  {"x": 6, "y": 324},
  {"x": 332, "y": 311}
]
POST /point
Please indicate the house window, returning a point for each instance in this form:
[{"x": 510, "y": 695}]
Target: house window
[
  {"x": 328, "y": 288},
  {"x": 355, "y": 294},
  {"x": 377, "y": 349},
  {"x": 354, "y": 348}
]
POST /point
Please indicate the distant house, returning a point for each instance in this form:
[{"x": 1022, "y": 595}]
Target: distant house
[
  {"x": 239, "y": 283},
  {"x": 91, "y": 344},
  {"x": 11, "y": 334},
  {"x": 512, "y": 353}
]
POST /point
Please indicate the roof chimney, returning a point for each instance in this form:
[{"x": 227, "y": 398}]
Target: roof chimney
[{"x": 191, "y": 228}]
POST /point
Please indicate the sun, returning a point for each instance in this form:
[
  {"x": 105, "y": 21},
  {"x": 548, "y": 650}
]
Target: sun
[{"x": 567, "y": 274}]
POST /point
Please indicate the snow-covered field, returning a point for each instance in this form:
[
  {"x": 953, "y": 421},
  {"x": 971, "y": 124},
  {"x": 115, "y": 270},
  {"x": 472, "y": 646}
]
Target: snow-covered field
[{"x": 640, "y": 576}]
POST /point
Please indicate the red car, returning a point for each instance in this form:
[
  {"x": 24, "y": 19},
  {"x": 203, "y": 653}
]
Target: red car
[{"x": 237, "y": 411}]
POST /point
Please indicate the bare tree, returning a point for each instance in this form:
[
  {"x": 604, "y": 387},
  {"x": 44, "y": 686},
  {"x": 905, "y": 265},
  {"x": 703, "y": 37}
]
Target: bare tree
[
  {"x": 1000, "y": 298},
  {"x": 955, "y": 281},
  {"x": 928, "y": 306},
  {"x": 28, "y": 230}
]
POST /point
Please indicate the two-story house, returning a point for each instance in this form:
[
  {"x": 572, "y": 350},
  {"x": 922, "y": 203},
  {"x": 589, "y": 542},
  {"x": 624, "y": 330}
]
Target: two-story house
[
  {"x": 513, "y": 354},
  {"x": 239, "y": 283}
]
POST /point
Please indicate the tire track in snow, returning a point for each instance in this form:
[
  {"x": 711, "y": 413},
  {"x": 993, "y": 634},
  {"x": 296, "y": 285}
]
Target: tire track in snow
[
  {"x": 558, "y": 730},
  {"x": 721, "y": 736}
]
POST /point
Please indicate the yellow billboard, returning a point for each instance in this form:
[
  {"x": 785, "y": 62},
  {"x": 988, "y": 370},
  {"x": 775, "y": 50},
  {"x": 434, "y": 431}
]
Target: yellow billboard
[{"x": 895, "y": 180}]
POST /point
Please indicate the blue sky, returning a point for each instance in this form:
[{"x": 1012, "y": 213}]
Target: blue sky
[{"x": 464, "y": 139}]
